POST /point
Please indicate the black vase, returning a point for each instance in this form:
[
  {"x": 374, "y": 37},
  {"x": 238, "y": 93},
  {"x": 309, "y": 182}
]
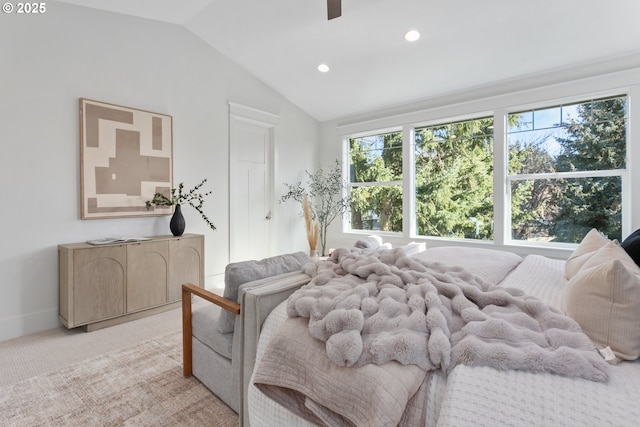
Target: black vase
[{"x": 177, "y": 222}]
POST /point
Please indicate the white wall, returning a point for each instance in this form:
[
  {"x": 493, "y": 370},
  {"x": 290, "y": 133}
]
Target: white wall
[
  {"x": 49, "y": 61},
  {"x": 577, "y": 84}
]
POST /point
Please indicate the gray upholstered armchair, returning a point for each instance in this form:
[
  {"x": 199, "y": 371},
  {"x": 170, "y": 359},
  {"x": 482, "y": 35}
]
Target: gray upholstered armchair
[{"x": 214, "y": 334}]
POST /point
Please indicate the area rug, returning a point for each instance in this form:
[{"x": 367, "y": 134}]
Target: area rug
[{"x": 138, "y": 386}]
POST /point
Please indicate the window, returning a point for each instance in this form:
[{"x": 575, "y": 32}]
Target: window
[
  {"x": 375, "y": 183},
  {"x": 566, "y": 165},
  {"x": 454, "y": 179},
  {"x": 561, "y": 167}
]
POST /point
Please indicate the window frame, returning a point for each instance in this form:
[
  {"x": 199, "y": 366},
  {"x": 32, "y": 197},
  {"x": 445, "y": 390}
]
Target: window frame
[
  {"x": 502, "y": 179},
  {"x": 467, "y": 118},
  {"x": 350, "y": 185},
  {"x": 510, "y": 178}
]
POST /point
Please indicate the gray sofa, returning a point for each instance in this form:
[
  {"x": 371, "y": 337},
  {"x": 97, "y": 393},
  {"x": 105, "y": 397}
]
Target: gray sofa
[{"x": 220, "y": 339}]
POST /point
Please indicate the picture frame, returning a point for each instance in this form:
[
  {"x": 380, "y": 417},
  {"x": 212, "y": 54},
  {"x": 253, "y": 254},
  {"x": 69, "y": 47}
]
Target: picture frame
[{"x": 126, "y": 156}]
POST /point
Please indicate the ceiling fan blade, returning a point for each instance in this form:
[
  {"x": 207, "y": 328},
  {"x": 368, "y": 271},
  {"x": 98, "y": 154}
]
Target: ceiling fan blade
[{"x": 334, "y": 8}]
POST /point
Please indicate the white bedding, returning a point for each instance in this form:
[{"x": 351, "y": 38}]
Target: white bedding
[
  {"x": 541, "y": 277},
  {"x": 481, "y": 396},
  {"x": 263, "y": 412},
  {"x": 489, "y": 264}
]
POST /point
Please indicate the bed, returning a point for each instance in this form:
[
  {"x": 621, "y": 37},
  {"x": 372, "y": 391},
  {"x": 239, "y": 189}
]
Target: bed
[{"x": 465, "y": 394}]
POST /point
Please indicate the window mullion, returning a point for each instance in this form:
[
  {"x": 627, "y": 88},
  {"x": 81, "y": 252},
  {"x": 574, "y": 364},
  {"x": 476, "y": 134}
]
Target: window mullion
[
  {"x": 346, "y": 192},
  {"x": 374, "y": 184},
  {"x": 564, "y": 175},
  {"x": 408, "y": 182},
  {"x": 631, "y": 205},
  {"x": 501, "y": 183}
]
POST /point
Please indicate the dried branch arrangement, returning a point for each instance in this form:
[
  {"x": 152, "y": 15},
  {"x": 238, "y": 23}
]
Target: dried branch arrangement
[
  {"x": 313, "y": 226},
  {"x": 328, "y": 199}
]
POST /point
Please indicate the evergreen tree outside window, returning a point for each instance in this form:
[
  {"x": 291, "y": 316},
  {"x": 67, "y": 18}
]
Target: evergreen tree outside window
[
  {"x": 566, "y": 165},
  {"x": 562, "y": 174},
  {"x": 375, "y": 182},
  {"x": 454, "y": 179}
]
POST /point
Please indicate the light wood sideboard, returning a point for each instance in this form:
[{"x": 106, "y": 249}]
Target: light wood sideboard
[{"x": 105, "y": 285}]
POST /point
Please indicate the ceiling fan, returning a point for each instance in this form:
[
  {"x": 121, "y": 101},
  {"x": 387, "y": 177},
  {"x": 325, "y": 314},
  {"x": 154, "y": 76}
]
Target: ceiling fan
[{"x": 334, "y": 8}]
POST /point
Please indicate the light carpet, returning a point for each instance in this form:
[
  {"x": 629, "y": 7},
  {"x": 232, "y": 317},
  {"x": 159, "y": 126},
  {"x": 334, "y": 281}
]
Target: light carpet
[{"x": 137, "y": 386}]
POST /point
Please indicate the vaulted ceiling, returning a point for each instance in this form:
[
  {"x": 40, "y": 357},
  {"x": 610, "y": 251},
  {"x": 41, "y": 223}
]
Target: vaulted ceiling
[{"x": 464, "y": 44}]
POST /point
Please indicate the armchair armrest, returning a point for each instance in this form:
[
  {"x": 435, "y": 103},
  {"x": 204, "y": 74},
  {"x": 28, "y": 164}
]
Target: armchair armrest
[
  {"x": 223, "y": 302},
  {"x": 187, "y": 290}
]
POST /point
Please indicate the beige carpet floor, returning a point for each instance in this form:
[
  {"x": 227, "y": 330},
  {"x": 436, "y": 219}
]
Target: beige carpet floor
[
  {"x": 137, "y": 386},
  {"x": 125, "y": 375}
]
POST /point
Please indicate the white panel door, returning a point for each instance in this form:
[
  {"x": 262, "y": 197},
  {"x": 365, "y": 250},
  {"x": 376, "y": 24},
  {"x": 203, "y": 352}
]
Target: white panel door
[{"x": 251, "y": 184}]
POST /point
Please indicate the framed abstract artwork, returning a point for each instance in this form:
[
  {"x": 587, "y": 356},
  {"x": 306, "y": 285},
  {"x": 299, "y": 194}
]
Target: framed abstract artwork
[{"x": 126, "y": 156}]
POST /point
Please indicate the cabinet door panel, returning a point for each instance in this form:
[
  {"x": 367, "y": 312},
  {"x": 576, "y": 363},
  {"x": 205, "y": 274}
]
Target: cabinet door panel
[
  {"x": 186, "y": 265},
  {"x": 99, "y": 278},
  {"x": 147, "y": 275}
]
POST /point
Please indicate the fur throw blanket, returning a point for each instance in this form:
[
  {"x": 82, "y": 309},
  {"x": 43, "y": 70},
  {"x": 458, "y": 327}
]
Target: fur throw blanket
[{"x": 380, "y": 306}]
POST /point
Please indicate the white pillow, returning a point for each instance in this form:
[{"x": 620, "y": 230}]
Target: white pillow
[
  {"x": 612, "y": 250},
  {"x": 491, "y": 265},
  {"x": 593, "y": 241},
  {"x": 414, "y": 248},
  {"x": 604, "y": 298}
]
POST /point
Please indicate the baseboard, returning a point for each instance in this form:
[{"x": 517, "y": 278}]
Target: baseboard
[{"x": 13, "y": 327}]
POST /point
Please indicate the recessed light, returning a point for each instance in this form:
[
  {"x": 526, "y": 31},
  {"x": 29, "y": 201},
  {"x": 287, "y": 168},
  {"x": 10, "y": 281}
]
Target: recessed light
[
  {"x": 323, "y": 68},
  {"x": 412, "y": 35}
]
